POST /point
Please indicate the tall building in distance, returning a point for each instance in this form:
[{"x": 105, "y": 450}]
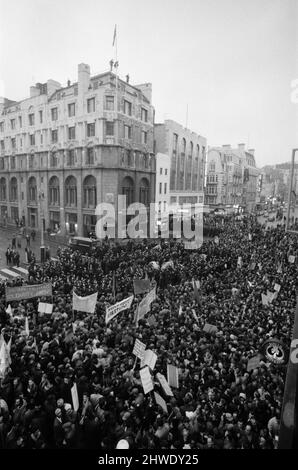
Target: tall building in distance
[
  {"x": 63, "y": 150},
  {"x": 187, "y": 153},
  {"x": 232, "y": 177}
]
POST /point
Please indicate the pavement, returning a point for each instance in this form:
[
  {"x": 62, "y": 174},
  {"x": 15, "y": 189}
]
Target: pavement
[{"x": 6, "y": 236}]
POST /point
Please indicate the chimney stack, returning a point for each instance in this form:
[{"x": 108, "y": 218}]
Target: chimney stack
[
  {"x": 68, "y": 82},
  {"x": 83, "y": 78},
  {"x": 241, "y": 146},
  {"x": 251, "y": 151}
]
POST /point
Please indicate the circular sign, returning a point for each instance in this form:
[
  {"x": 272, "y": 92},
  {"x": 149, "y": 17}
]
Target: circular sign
[{"x": 275, "y": 351}]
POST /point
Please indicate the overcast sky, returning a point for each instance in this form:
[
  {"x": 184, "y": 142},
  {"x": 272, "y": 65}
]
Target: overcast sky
[{"x": 230, "y": 61}]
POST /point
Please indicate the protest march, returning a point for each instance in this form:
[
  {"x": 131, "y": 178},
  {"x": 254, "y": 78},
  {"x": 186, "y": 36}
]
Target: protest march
[{"x": 154, "y": 348}]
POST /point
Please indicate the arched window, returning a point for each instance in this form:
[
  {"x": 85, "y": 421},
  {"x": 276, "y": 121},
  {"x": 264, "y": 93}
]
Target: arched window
[
  {"x": 89, "y": 192},
  {"x": 13, "y": 189},
  {"x": 54, "y": 191},
  {"x": 2, "y": 189},
  {"x": 189, "y": 167},
  {"x": 128, "y": 190},
  {"x": 71, "y": 191},
  {"x": 144, "y": 192},
  {"x": 196, "y": 169},
  {"x": 53, "y": 159},
  {"x": 182, "y": 164},
  {"x": 32, "y": 190}
]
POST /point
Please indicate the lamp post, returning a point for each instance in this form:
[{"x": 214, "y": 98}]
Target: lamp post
[{"x": 42, "y": 247}]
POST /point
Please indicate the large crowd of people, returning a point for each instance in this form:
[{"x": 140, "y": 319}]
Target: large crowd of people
[{"x": 218, "y": 404}]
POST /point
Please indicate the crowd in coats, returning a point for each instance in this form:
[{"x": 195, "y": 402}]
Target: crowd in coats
[{"x": 218, "y": 404}]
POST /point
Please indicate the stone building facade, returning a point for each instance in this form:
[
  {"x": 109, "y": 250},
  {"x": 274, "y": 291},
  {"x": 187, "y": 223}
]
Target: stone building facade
[{"x": 64, "y": 150}]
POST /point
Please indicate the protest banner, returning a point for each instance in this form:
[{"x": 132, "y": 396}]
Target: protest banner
[
  {"x": 208, "y": 328},
  {"x": 139, "y": 349},
  {"x": 161, "y": 402},
  {"x": 75, "y": 397},
  {"x": 141, "y": 286},
  {"x": 250, "y": 237},
  {"x": 173, "y": 376},
  {"x": 265, "y": 300},
  {"x": 84, "y": 304},
  {"x": 163, "y": 382},
  {"x": 28, "y": 292},
  {"x": 44, "y": 307},
  {"x": 9, "y": 310},
  {"x": 168, "y": 264},
  {"x": 145, "y": 304},
  {"x": 239, "y": 262},
  {"x": 27, "y": 332},
  {"x": 277, "y": 287},
  {"x": 216, "y": 240},
  {"x": 112, "y": 311},
  {"x": 291, "y": 259},
  {"x": 253, "y": 363},
  {"x": 146, "y": 380}
]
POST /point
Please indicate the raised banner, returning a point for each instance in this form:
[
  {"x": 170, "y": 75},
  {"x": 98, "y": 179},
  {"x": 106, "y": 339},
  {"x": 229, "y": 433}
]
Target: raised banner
[
  {"x": 161, "y": 402},
  {"x": 265, "y": 300},
  {"x": 112, "y": 311},
  {"x": 139, "y": 349},
  {"x": 146, "y": 380},
  {"x": 145, "y": 304},
  {"x": 43, "y": 307},
  {"x": 173, "y": 376},
  {"x": 141, "y": 286},
  {"x": 28, "y": 292},
  {"x": 239, "y": 262},
  {"x": 168, "y": 264},
  {"x": 84, "y": 304},
  {"x": 163, "y": 382},
  {"x": 277, "y": 287},
  {"x": 149, "y": 359},
  {"x": 292, "y": 259}
]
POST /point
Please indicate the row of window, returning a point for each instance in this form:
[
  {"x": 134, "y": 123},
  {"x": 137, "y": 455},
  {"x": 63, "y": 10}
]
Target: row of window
[
  {"x": 109, "y": 106},
  {"x": 161, "y": 171},
  {"x": 165, "y": 188},
  {"x": 109, "y": 132},
  {"x": 70, "y": 191}
]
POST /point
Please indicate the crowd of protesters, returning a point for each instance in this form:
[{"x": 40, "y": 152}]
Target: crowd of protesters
[{"x": 218, "y": 404}]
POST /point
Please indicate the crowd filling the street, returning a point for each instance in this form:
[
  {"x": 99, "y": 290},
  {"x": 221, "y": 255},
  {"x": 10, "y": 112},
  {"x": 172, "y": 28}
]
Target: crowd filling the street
[{"x": 215, "y": 401}]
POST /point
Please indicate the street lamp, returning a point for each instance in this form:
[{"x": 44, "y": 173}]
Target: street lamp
[{"x": 42, "y": 247}]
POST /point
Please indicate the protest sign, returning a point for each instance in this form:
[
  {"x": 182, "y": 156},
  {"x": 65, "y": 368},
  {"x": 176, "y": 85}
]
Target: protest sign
[
  {"x": 139, "y": 349},
  {"x": 163, "y": 382},
  {"x": 208, "y": 328},
  {"x": 112, "y": 311},
  {"x": 75, "y": 397},
  {"x": 291, "y": 259},
  {"x": 265, "y": 300},
  {"x": 149, "y": 358},
  {"x": 44, "y": 307},
  {"x": 146, "y": 380},
  {"x": 253, "y": 363},
  {"x": 145, "y": 304},
  {"x": 173, "y": 376},
  {"x": 161, "y": 402},
  {"x": 141, "y": 286},
  {"x": 277, "y": 287}
]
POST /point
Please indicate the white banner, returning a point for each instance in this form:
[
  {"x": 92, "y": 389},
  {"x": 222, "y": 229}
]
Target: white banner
[
  {"x": 112, "y": 311},
  {"x": 75, "y": 397},
  {"x": 43, "y": 307},
  {"x": 84, "y": 304},
  {"x": 139, "y": 349},
  {"x": 163, "y": 382},
  {"x": 145, "y": 304},
  {"x": 149, "y": 359}
]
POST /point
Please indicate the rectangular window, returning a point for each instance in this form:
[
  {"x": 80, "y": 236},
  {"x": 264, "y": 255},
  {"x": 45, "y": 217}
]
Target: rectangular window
[
  {"x": 91, "y": 105},
  {"x": 13, "y": 163},
  {"x": 13, "y": 143},
  {"x": 91, "y": 129},
  {"x": 160, "y": 188},
  {"x": 54, "y": 136},
  {"x": 144, "y": 137},
  {"x": 90, "y": 156},
  {"x": 2, "y": 145},
  {"x": 41, "y": 139},
  {"x": 109, "y": 103},
  {"x": 127, "y": 108},
  {"x": 71, "y": 109},
  {"x": 54, "y": 114},
  {"x": 144, "y": 115},
  {"x": 2, "y": 126},
  {"x": 13, "y": 123},
  {"x": 31, "y": 119},
  {"x": 71, "y": 133},
  {"x": 40, "y": 117},
  {"x": 71, "y": 157},
  {"x": 32, "y": 139},
  {"x": 109, "y": 128},
  {"x": 1, "y": 163},
  {"x": 166, "y": 171},
  {"x": 127, "y": 132},
  {"x": 160, "y": 171},
  {"x": 20, "y": 121}
]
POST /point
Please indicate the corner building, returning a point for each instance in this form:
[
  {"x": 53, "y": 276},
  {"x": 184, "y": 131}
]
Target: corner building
[{"x": 66, "y": 149}]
